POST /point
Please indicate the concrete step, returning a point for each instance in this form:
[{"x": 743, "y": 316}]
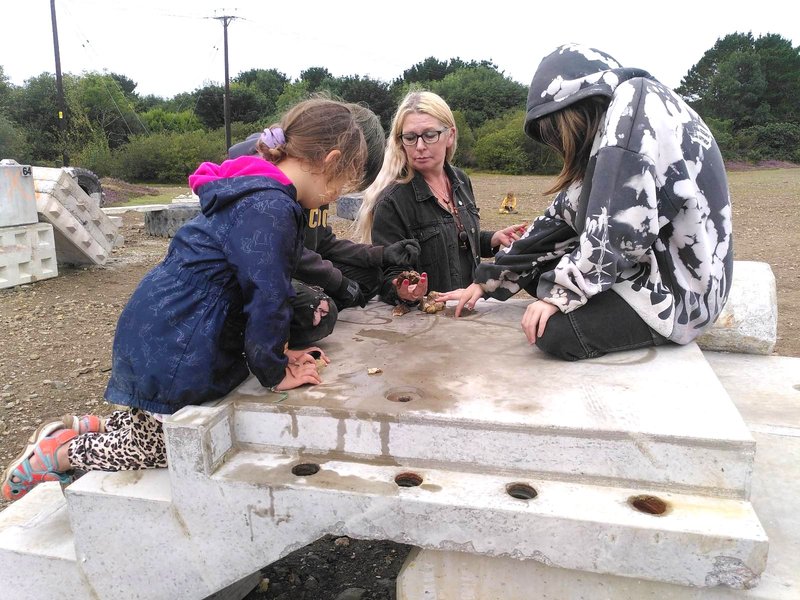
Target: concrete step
[
  {"x": 657, "y": 417},
  {"x": 37, "y": 554},
  {"x": 629, "y": 532},
  {"x": 766, "y": 391}
]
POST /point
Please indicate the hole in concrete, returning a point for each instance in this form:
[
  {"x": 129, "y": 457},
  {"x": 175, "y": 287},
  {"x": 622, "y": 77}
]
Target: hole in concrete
[
  {"x": 403, "y": 394},
  {"x": 408, "y": 480},
  {"x": 651, "y": 505},
  {"x": 521, "y": 491},
  {"x": 305, "y": 469}
]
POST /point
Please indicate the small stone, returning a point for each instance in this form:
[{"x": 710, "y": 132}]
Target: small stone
[
  {"x": 263, "y": 585},
  {"x": 341, "y": 541},
  {"x": 310, "y": 583},
  {"x": 352, "y": 594}
]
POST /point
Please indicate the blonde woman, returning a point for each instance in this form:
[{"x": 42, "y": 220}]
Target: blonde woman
[{"x": 419, "y": 194}]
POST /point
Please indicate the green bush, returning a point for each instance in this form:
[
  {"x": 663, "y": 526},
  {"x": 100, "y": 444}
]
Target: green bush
[
  {"x": 775, "y": 141},
  {"x": 158, "y": 120},
  {"x": 502, "y": 146},
  {"x": 98, "y": 157},
  {"x": 12, "y": 141},
  {"x": 168, "y": 157}
]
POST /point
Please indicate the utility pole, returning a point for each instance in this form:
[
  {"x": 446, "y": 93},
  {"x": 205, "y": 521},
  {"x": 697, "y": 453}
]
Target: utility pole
[
  {"x": 227, "y": 99},
  {"x": 62, "y": 108}
]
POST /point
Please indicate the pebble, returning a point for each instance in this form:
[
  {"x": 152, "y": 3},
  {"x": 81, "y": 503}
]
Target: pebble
[{"x": 352, "y": 594}]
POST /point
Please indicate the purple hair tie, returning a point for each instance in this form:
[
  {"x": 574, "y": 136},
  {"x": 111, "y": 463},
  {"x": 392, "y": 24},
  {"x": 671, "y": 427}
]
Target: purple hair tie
[{"x": 273, "y": 137}]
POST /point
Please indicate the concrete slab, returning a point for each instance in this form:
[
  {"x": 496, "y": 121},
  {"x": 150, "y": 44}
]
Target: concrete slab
[
  {"x": 121, "y": 210},
  {"x": 749, "y": 321},
  {"x": 17, "y": 200},
  {"x": 61, "y": 186},
  {"x": 38, "y": 555},
  {"x": 625, "y": 419},
  {"x": 27, "y": 254},
  {"x": 755, "y": 383}
]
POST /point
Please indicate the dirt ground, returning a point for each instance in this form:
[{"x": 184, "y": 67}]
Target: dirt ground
[{"x": 58, "y": 335}]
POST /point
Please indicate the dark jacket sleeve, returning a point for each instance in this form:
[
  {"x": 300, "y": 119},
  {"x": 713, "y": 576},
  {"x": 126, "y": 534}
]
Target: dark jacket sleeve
[
  {"x": 348, "y": 252},
  {"x": 262, "y": 246},
  {"x": 315, "y": 270},
  {"x": 315, "y": 267},
  {"x": 514, "y": 268},
  {"x": 389, "y": 226}
]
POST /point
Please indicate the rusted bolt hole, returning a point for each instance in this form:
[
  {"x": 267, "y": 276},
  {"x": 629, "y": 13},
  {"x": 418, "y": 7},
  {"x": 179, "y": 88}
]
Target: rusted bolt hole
[
  {"x": 651, "y": 505},
  {"x": 305, "y": 469},
  {"x": 408, "y": 480},
  {"x": 403, "y": 394},
  {"x": 521, "y": 491}
]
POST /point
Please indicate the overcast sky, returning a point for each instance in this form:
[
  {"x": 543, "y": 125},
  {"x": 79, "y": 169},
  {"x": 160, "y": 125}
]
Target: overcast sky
[{"x": 174, "y": 46}]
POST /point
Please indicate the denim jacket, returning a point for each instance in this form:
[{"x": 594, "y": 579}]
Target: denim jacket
[{"x": 411, "y": 210}]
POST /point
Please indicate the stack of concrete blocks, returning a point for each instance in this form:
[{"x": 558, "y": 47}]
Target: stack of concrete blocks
[
  {"x": 27, "y": 247},
  {"x": 633, "y": 470},
  {"x": 83, "y": 232}
]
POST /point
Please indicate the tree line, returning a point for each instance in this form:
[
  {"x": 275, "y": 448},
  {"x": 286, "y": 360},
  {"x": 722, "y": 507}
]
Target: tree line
[{"x": 746, "y": 88}]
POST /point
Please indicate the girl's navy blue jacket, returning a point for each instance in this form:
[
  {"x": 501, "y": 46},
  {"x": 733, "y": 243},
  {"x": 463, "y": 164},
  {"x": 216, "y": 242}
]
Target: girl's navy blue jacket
[{"x": 219, "y": 301}]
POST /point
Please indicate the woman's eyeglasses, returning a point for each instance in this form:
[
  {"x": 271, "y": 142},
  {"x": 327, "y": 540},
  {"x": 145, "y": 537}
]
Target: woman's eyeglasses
[{"x": 429, "y": 137}]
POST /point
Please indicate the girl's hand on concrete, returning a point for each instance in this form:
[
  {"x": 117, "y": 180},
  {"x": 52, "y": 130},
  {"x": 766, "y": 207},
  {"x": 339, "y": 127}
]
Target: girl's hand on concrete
[
  {"x": 467, "y": 297},
  {"x": 308, "y": 355},
  {"x": 535, "y": 319},
  {"x": 299, "y": 374}
]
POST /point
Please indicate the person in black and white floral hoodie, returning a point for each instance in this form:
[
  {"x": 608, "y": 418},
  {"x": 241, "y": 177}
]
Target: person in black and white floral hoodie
[{"x": 636, "y": 248}]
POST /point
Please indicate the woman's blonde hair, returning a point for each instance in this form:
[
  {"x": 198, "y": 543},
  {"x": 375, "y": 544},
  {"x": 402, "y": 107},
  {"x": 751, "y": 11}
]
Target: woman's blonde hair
[
  {"x": 396, "y": 168},
  {"x": 571, "y": 132},
  {"x": 312, "y": 129}
]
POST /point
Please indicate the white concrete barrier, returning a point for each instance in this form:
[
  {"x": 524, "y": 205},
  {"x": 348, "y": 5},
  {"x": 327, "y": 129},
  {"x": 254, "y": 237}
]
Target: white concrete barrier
[{"x": 749, "y": 321}]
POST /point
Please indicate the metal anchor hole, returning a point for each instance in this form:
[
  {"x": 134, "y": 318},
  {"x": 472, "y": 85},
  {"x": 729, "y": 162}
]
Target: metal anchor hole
[
  {"x": 651, "y": 505},
  {"x": 521, "y": 491},
  {"x": 403, "y": 394},
  {"x": 305, "y": 469},
  {"x": 408, "y": 480}
]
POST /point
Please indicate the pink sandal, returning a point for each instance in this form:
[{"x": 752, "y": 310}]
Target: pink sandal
[{"x": 45, "y": 448}]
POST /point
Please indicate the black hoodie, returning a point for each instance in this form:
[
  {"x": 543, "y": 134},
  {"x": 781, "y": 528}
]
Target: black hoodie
[{"x": 652, "y": 218}]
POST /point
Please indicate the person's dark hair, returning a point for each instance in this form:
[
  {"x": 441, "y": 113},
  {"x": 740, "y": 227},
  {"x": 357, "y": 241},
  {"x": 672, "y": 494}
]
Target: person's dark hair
[
  {"x": 313, "y": 128},
  {"x": 375, "y": 138},
  {"x": 571, "y": 132}
]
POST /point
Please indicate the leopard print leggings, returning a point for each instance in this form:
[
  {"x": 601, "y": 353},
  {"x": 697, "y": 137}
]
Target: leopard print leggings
[{"x": 133, "y": 439}]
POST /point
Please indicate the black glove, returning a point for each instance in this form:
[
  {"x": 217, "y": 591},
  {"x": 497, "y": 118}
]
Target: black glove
[
  {"x": 404, "y": 252},
  {"x": 349, "y": 294}
]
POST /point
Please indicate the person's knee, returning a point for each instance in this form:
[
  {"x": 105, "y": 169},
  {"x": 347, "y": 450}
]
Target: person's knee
[{"x": 560, "y": 339}]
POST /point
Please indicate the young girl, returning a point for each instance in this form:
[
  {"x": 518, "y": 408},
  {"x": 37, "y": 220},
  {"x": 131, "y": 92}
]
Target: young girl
[
  {"x": 217, "y": 307},
  {"x": 636, "y": 248}
]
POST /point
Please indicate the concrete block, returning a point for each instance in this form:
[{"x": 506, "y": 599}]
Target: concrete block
[
  {"x": 623, "y": 419},
  {"x": 347, "y": 206},
  {"x": 37, "y": 556},
  {"x": 17, "y": 201},
  {"x": 27, "y": 254},
  {"x": 120, "y": 210},
  {"x": 60, "y": 185},
  {"x": 74, "y": 243},
  {"x": 749, "y": 321},
  {"x": 767, "y": 397}
]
